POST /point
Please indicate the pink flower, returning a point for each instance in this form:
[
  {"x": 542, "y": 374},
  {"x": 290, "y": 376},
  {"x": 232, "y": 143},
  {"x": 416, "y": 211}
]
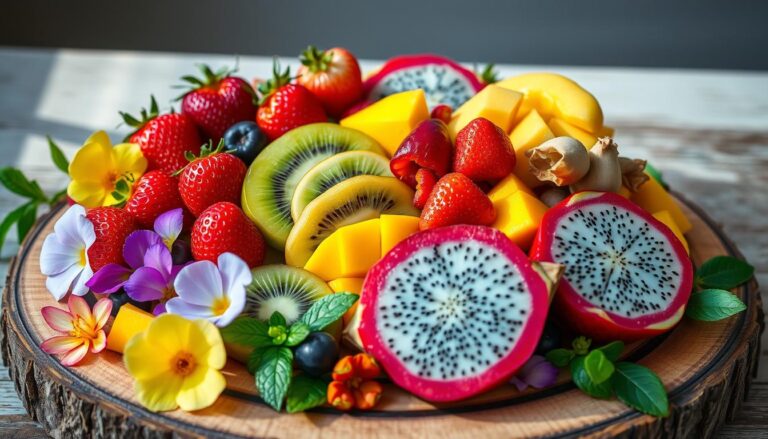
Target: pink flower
[{"x": 82, "y": 329}]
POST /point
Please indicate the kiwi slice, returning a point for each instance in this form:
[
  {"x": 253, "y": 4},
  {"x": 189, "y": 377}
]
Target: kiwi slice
[
  {"x": 351, "y": 201},
  {"x": 271, "y": 179},
  {"x": 334, "y": 170}
]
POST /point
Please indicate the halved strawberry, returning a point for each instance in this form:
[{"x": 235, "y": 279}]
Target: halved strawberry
[
  {"x": 456, "y": 200},
  {"x": 425, "y": 182},
  {"x": 427, "y": 146},
  {"x": 112, "y": 225},
  {"x": 483, "y": 152}
]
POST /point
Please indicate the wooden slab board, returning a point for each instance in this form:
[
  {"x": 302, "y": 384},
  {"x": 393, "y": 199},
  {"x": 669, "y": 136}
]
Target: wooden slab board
[{"x": 706, "y": 367}]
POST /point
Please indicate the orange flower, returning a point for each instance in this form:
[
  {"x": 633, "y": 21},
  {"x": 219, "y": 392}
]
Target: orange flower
[
  {"x": 82, "y": 329},
  {"x": 353, "y": 383}
]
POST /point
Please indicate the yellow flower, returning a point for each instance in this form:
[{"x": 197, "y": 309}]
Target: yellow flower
[
  {"x": 103, "y": 175},
  {"x": 176, "y": 363}
]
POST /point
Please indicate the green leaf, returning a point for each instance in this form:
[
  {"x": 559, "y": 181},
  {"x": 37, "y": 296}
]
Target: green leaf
[
  {"x": 277, "y": 319},
  {"x": 26, "y": 220},
  {"x": 305, "y": 393},
  {"x": 713, "y": 305},
  {"x": 613, "y": 350},
  {"x": 328, "y": 309},
  {"x": 273, "y": 376},
  {"x": 247, "y": 331},
  {"x": 8, "y": 222},
  {"x": 57, "y": 156},
  {"x": 560, "y": 357},
  {"x": 583, "y": 381},
  {"x": 640, "y": 388},
  {"x": 58, "y": 196},
  {"x": 297, "y": 333},
  {"x": 15, "y": 181},
  {"x": 723, "y": 272},
  {"x": 598, "y": 366},
  {"x": 254, "y": 358}
]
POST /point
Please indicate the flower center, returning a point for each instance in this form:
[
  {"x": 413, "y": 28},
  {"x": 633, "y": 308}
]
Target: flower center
[
  {"x": 220, "y": 305},
  {"x": 168, "y": 294},
  {"x": 183, "y": 364},
  {"x": 83, "y": 260},
  {"x": 82, "y": 329}
]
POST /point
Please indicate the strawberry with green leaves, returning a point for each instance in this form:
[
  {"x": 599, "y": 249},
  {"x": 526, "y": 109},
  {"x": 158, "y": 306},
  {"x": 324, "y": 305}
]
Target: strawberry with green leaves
[
  {"x": 333, "y": 76},
  {"x": 211, "y": 177}
]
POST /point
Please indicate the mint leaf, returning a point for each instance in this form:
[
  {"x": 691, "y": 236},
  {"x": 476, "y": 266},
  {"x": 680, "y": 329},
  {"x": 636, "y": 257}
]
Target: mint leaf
[
  {"x": 328, "y": 309},
  {"x": 57, "y": 156},
  {"x": 713, "y": 305},
  {"x": 583, "y": 381},
  {"x": 598, "y": 366},
  {"x": 247, "y": 331},
  {"x": 560, "y": 357},
  {"x": 305, "y": 393},
  {"x": 274, "y": 375},
  {"x": 640, "y": 388},
  {"x": 613, "y": 350},
  {"x": 16, "y": 182},
  {"x": 254, "y": 359},
  {"x": 26, "y": 220},
  {"x": 277, "y": 319},
  {"x": 8, "y": 222},
  {"x": 297, "y": 333},
  {"x": 723, "y": 272}
]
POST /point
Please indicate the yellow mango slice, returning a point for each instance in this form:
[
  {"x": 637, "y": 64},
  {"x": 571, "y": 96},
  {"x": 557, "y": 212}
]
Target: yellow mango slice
[
  {"x": 555, "y": 95},
  {"x": 531, "y": 132},
  {"x": 497, "y": 104},
  {"x": 507, "y": 187},
  {"x": 665, "y": 217},
  {"x": 395, "y": 228},
  {"x": 347, "y": 285},
  {"x": 653, "y": 198},
  {"x": 518, "y": 216},
  {"x": 391, "y": 119},
  {"x": 348, "y": 252},
  {"x": 563, "y": 128},
  {"x": 129, "y": 321}
]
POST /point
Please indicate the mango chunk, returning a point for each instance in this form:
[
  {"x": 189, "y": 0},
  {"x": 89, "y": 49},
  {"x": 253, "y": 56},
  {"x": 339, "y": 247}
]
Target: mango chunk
[
  {"x": 350, "y": 251},
  {"x": 518, "y": 216},
  {"x": 624, "y": 192},
  {"x": 665, "y": 217},
  {"x": 347, "y": 285},
  {"x": 395, "y": 228},
  {"x": 563, "y": 128},
  {"x": 555, "y": 95},
  {"x": 531, "y": 132},
  {"x": 606, "y": 131},
  {"x": 653, "y": 198},
  {"x": 499, "y": 105},
  {"x": 510, "y": 185},
  {"x": 391, "y": 119},
  {"x": 129, "y": 321}
]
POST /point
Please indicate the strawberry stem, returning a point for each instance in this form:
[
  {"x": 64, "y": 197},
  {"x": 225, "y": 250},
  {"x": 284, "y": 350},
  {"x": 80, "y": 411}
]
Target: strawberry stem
[
  {"x": 316, "y": 60},
  {"x": 279, "y": 79}
]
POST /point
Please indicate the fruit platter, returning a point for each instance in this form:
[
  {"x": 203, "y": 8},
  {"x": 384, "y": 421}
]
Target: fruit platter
[{"x": 421, "y": 250}]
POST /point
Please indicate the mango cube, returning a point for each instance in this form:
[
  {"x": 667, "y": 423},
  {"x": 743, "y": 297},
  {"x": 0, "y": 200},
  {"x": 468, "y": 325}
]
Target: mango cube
[
  {"x": 347, "y": 285},
  {"x": 391, "y": 119},
  {"x": 664, "y": 217},
  {"x": 653, "y": 198},
  {"x": 510, "y": 185},
  {"x": 624, "y": 192},
  {"x": 563, "y": 128},
  {"x": 518, "y": 216},
  {"x": 129, "y": 321},
  {"x": 395, "y": 228},
  {"x": 497, "y": 104},
  {"x": 350, "y": 251},
  {"x": 531, "y": 132}
]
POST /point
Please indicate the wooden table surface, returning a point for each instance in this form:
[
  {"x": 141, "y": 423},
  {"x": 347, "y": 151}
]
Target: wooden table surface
[{"x": 706, "y": 130}]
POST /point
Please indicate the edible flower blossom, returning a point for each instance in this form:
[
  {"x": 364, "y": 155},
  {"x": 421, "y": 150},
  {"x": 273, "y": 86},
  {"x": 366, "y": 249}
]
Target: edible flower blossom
[
  {"x": 64, "y": 256},
  {"x": 354, "y": 383},
  {"x": 537, "y": 373},
  {"x": 176, "y": 362},
  {"x": 102, "y": 174},
  {"x": 211, "y": 292},
  {"x": 82, "y": 329}
]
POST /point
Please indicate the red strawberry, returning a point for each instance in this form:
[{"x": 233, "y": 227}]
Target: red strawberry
[
  {"x": 427, "y": 146},
  {"x": 333, "y": 76},
  {"x": 286, "y": 106},
  {"x": 112, "y": 225},
  {"x": 218, "y": 101},
  {"x": 154, "y": 194},
  {"x": 442, "y": 112},
  {"x": 212, "y": 177},
  {"x": 483, "y": 152},
  {"x": 425, "y": 182},
  {"x": 456, "y": 200},
  {"x": 223, "y": 227},
  {"x": 164, "y": 139}
]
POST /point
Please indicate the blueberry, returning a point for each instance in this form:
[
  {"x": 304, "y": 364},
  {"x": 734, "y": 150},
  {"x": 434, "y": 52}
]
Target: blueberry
[
  {"x": 550, "y": 339},
  {"x": 245, "y": 140},
  {"x": 317, "y": 354},
  {"x": 120, "y": 298},
  {"x": 181, "y": 252}
]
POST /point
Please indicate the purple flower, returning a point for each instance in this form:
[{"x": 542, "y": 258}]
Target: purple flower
[
  {"x": 537, "y": 373},
  {"x": 154, "y": 280},
  {"x": 169, "y": 225}
]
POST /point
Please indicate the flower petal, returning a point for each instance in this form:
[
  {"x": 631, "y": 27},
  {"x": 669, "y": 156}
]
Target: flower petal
[
  {"x": 213, "y": 348},
  {"x": 201, "y": 389},
  {"x": 159, "y": 309},
  {"x": 159, "y": 257},
  {"x": 169, "y": 224},
  {"x": 92, "y": 162},
  {"x": 58, "y": 285},
  {"x": 56, "y": 257},
  {"x": 89, "y": 194},
  {"x": 145, "y": 284},
  {"x": 79, "y": 288},
  {"x": 75, "y": 355},
  {"x": 60, "y": 344},
  {"x": 79, "y": 307},
  {"x": 108, "y": 279},
  {"x": 127, "y": 157},
  {"x": 136, "y": 246},
  {"x": 235, "y": 274},
  {"x": 101, "y": 311},
  {"x": 236, "y": 306},
  {"x": 170, "y": 333},
  {"x": 199, "y": 283},
  {"x": 100, "y": 342},
  {"x": 100, "y": 137},
  {"x": 178, "y": 306},
  {"x": 159, "y": 393},
  {"x": 57, "y": 318},
  {"x": 538, "y": 372},
  {"x": 67, "y": 228},
  {"x": 144, "y": 360}
]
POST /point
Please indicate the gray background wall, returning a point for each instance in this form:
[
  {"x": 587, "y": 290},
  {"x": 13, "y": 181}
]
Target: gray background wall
[{"x": 699, "y": 34}]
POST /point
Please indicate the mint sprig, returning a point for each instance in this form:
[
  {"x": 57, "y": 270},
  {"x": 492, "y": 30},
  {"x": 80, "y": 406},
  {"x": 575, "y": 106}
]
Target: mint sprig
[
  {"x": 305, "y": 393},
  {"x": 273, "y": 376},
  {"x": 710, "y": 300},
  {"x": 713, "y": 305},
  {"x": 723, "y": 273},
  {"x": 328, "y": 309},
  {"x": 640, "y": 388}
]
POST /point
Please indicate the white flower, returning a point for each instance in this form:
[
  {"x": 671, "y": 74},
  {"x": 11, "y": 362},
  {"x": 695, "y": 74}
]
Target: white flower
[
  {"x": 206, "y": 291},
  {"x": 64, "y": 258}
]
